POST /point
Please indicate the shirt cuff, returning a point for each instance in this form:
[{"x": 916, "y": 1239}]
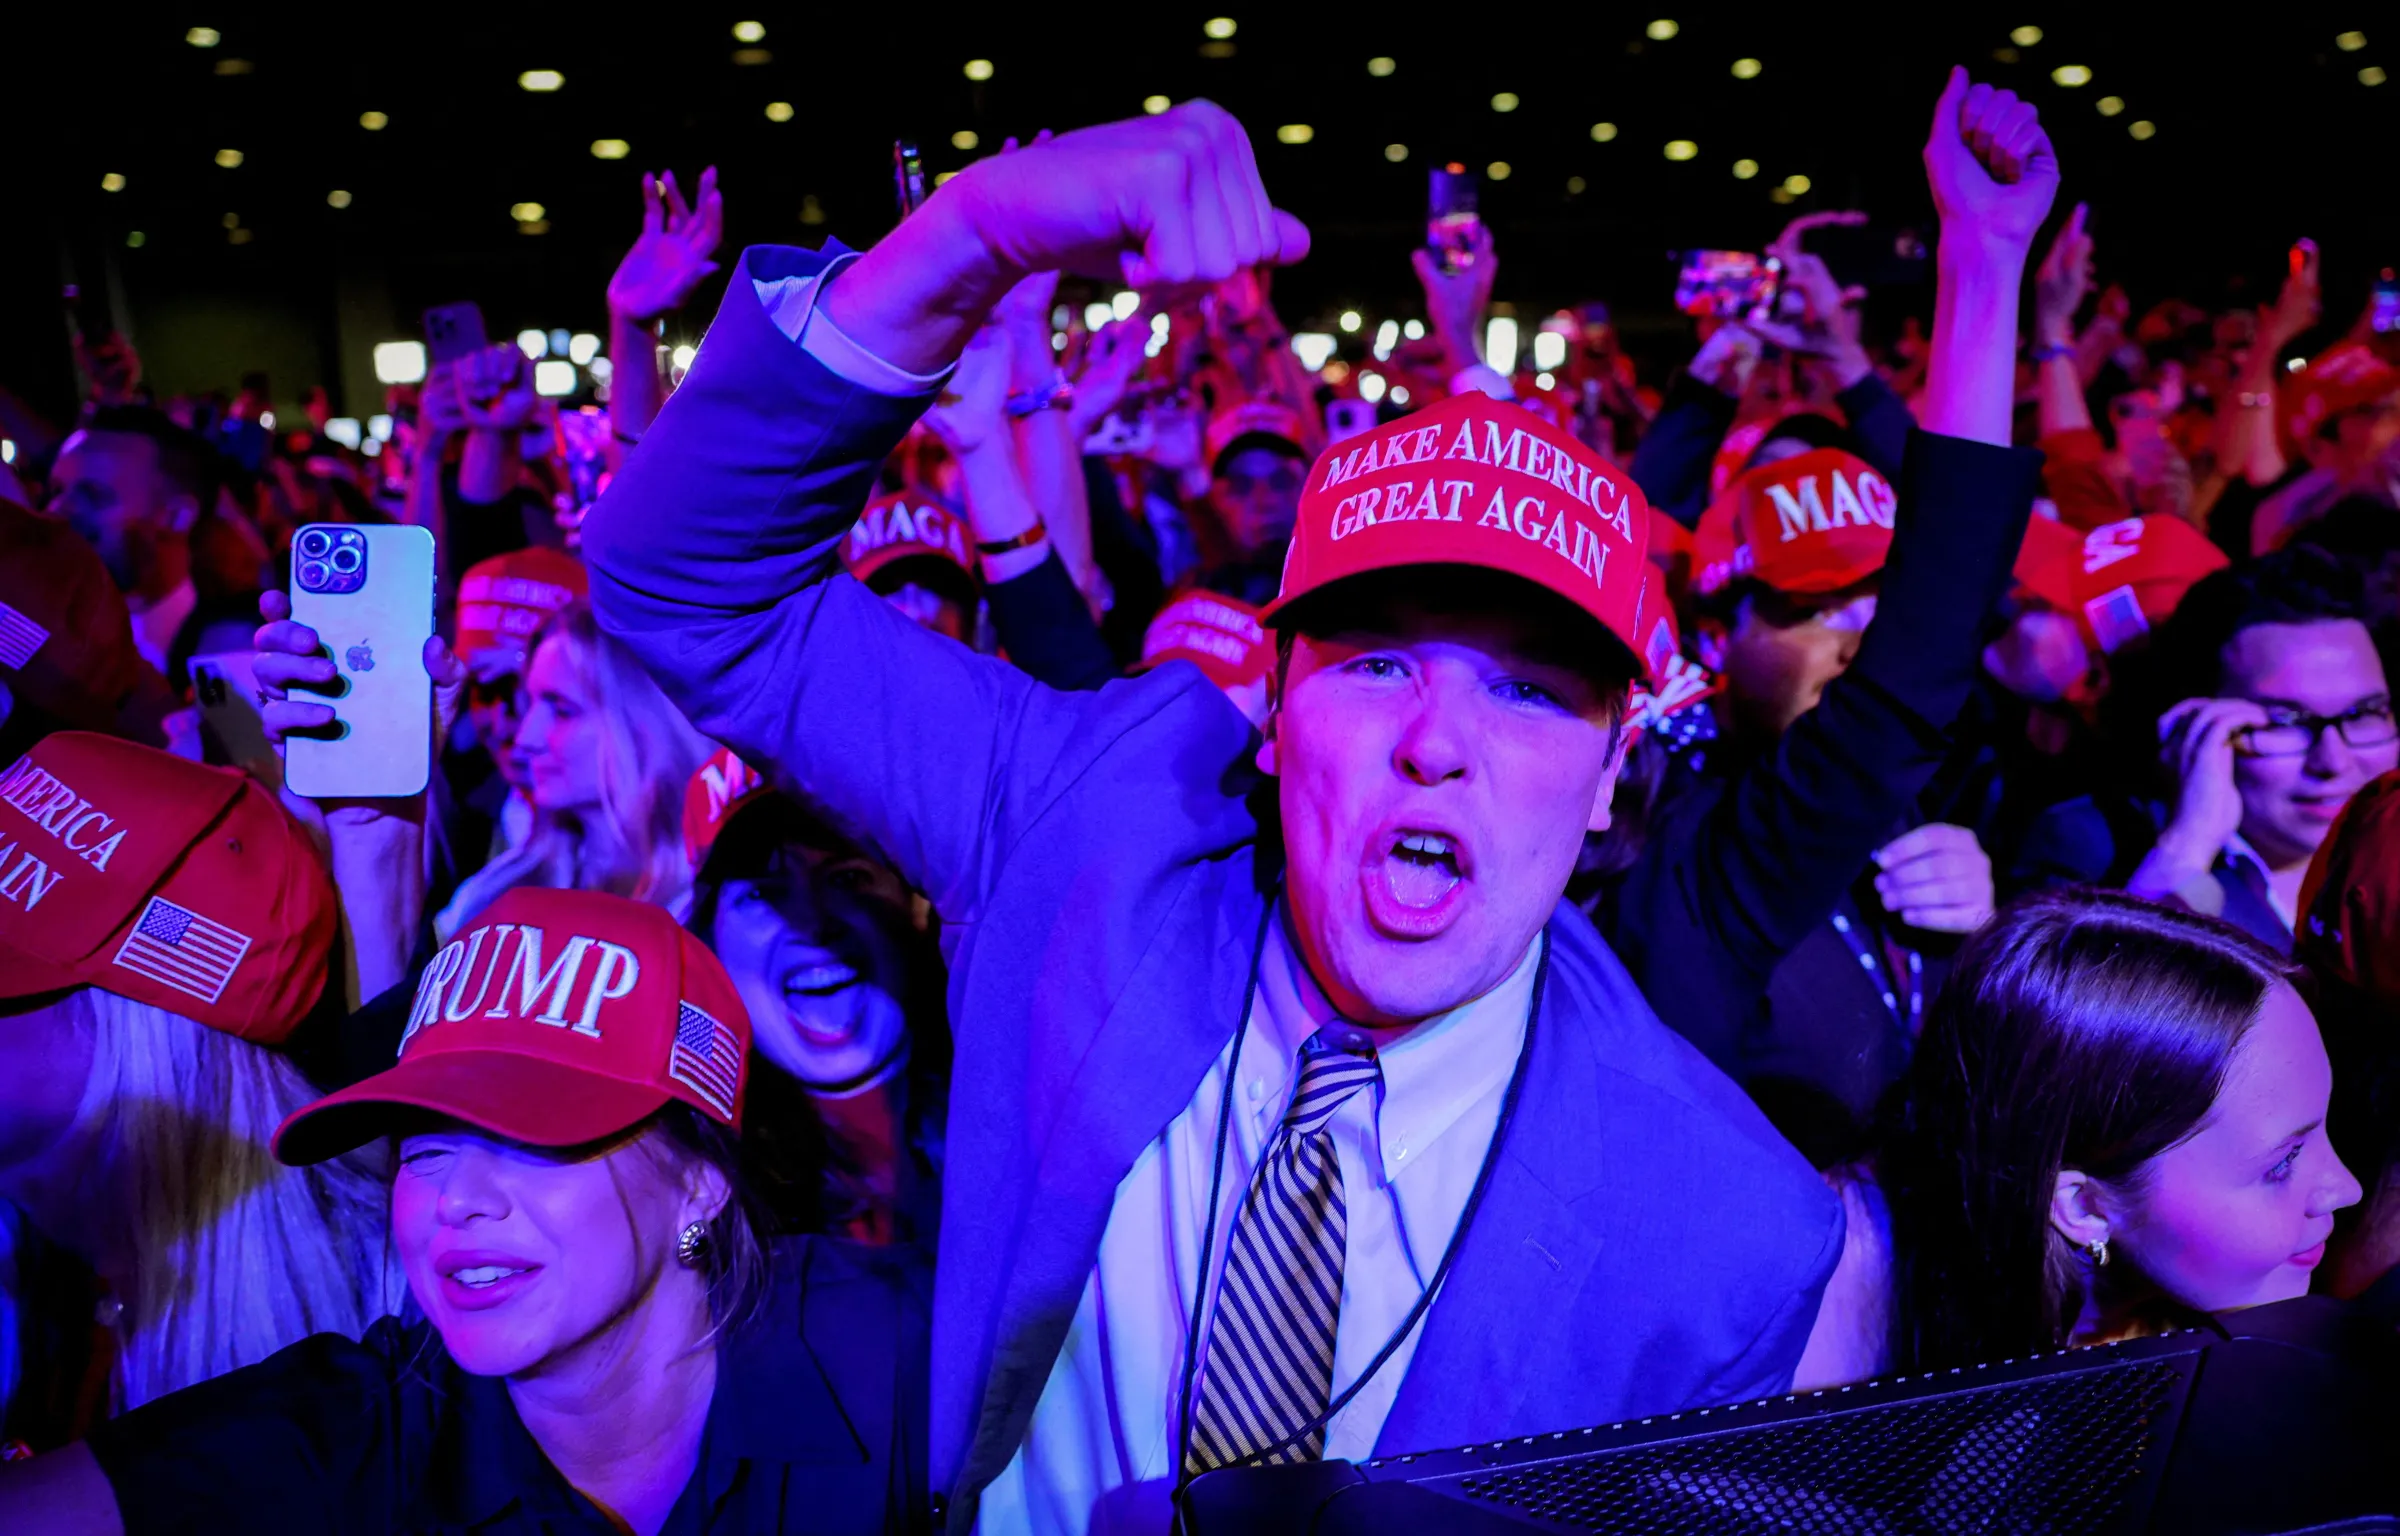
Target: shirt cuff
[
  {"x": 791, "y": 304},
  {"x": 1482, "y": 377}
]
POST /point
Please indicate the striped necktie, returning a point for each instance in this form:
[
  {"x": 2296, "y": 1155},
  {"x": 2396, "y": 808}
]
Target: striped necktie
[{"x": 1270, "y": 1347}]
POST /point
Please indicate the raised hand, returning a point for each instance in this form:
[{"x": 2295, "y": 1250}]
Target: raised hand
[
  {"x": 495, "y": 388},
  {"x": 1456, "y": 301},
  {"x": 2061, "y": 282},
  {"x": 670, "y": 257},
  {"x": 1990, "y": 164},
  {"x": 1110, "y": 360},
  {"x": 970, "y": 411},
  {"x": 288, "y": 654},
  {"x": 2297, "y": 307}
]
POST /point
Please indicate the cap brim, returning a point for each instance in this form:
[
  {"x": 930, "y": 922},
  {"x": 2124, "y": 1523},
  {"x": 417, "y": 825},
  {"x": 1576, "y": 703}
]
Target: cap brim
[
  {"x": 1256, "y": 439},
  {"x": 524, "y": 1098},
  {"x": 26, "y": 975},
  {"x": 1294, "y": 612}
]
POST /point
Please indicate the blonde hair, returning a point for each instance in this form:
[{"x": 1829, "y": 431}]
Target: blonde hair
[
  {"x": 634, "y": 846},
  {"x": 232, "y": 1255}
]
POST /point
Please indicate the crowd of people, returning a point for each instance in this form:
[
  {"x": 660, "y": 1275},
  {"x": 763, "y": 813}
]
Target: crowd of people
[{"x": 1006, "y": 913}]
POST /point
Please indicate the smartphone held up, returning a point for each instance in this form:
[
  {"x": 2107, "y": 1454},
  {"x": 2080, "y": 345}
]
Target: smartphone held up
[
  {"x": 367, "y": 591},
  {"x": 1451, "y": 220},
  {"x": 1726, "y": 284}
]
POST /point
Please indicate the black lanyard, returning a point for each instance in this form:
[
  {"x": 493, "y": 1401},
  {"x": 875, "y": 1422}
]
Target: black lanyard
[
  {"x": 1216, "y": 1179},
  {"x": 1903, "y": 1000}
]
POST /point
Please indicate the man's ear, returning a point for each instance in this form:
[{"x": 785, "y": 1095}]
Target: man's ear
[
  {"x": 1621, "y": 737},
  {"x": 183, "y": 512},
  {"x": 2079, "y": 1208}
]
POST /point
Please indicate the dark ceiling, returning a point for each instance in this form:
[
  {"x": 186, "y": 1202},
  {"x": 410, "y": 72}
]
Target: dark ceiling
[{"x": 2264, "y": 132}]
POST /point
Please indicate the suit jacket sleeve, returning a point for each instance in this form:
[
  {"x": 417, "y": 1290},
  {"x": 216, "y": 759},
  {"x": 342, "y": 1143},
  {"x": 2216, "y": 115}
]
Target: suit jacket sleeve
[
  {"x": 714, "y": 558},
  {"x": 1671, "y": 465}
]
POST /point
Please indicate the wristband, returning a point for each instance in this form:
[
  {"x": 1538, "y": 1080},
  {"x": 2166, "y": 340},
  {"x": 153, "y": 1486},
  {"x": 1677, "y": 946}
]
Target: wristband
[
  {"x": 1026, "y": 540},
  {"x": 1057, "y": 395},
  {"x": 2051, "y": 349}
]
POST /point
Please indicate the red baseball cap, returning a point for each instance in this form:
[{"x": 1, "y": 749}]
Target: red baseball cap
[
  {"x": 2046, "y": 539},
  {"x": 1479, "y": 482},
  {"x": 555, "y": 1018},
  {"x": 66, "y": 641},
  {"x": 2338, "y": 381},
  {"x": 1813, "y": 523},
  {"x": 897, "y": 527},
  {"x": 1219, "y": 635},
  {"x": 1251, "y": 418},
  {"x": 162, "y": 880},
  {"x": 503, "y": 600},
  {"x": 1676, "y": 682},
  {"x": 2123, "y": 578},
  {"x": 2350, "y": 902},
  {"x": 723, "y": 786}
]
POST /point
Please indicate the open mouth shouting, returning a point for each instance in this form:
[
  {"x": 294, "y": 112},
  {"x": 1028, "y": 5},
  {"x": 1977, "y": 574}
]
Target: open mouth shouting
[
  {"x": 817, "y": 993},
  {"x": 1415, "y": 881}
]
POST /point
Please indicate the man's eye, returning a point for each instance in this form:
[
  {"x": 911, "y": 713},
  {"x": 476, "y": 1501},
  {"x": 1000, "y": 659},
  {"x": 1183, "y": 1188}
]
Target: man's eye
[
  {"x": 1378, "y": 666},
  {"x": 1518, "y": 691}
]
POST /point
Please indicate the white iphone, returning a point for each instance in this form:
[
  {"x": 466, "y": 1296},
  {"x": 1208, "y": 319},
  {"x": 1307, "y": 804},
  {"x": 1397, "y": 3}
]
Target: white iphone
[{"x": 367, "y": 590}]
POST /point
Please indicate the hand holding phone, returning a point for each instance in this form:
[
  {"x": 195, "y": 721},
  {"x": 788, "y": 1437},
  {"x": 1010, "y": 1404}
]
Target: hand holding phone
[
  {"x": 454, "y": 332},
  {"x": 1726, "y": 284},
  {"x": 1453, "y": 227},
  {"x": 363, "y": 595}
]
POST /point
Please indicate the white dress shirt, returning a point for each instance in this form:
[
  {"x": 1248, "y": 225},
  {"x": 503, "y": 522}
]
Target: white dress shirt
[{"x": 1100, "y": 1457}]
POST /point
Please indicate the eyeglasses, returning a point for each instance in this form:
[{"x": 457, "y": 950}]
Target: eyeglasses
[{"x": 2291, "y": 732}]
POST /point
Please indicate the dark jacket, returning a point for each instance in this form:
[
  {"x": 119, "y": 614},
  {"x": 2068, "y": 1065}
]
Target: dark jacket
[
  {"x": 1743, "y": 872},
  {"x": 2102, "y": 839},
  {"x": 1673, "y": 462},
  {"x": 1102, "y": 874}
]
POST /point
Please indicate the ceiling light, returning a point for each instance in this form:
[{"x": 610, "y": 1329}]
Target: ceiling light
[
  {"x": 2143, "y": 129},
  {"x": 1395, "y": 153},
  {"x": 234, "y": 66},
  {"x": 1380, "y": 66},
  {"x": 1681, "y": 149},
  {"x": 753, "y": 56},
  {"x": 231, "y": 221},
  {"x": 1743, "y": 170},
  {"x": 2071, "y": 75},
  {"x": 811, "y": 211},
  {"x": 1154, "y": 105},
  {"x": 2371, "y": 75},
  {"x": 206, "y": 37},
  {"x": 2025, "y": 37},
  {"x": 1294, "y": 133},
  {"x": 1498, "y": 170},
  {"x": 527, "y": 213},
  {"x": 373, "y": 122},
  {"x": 399, "y": 362},
  {"x": 1603, "y": 132},
  {"x": 1218, "y": 28},
  {"x": 2348, "y": 42},
  {"x": 1351, "y": 321},
  {"x": 964, "y": 139},
  {"x": 1796, "y": 184},
  {"x": 1747, "y": 69},
  {"x": 240, "y": 236},
  {"x": 1506, "y": 101},
  {"x": 979, "y": 70},
  {"x": 1659, "y": 31},
  {"x": 337, "y": 198},
  {"x": 2110, "y": 106},
  {"x": 610, "y": 149},
  {"x": 541, "y": 80},
  {"x": 779, "y": 111},
  {"x": 748, "y": 31},
  {"x": 1500, "y": 344},
  {"x": 229, "y": 158},
  {"x": 112, "y": 182},
  {"x": 1575, "y": 186}
]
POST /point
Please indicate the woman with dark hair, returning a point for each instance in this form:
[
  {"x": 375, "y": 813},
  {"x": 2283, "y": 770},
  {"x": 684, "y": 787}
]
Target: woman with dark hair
[
  {"x": 2115, "y": 1121},
  {"x": 608, "y": 1342},
  {"x": 836, "y": 962}
]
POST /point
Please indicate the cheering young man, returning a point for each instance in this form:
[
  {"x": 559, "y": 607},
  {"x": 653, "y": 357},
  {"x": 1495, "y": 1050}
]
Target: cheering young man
[{"x": 1294, "y": 1115}]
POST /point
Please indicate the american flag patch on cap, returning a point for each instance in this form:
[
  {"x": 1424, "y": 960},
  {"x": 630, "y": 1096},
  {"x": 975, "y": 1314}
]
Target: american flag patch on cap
[
  {"x": 177, "y": 947},
  {"x": 706, "y": 1059},
  {"x": 20, "y": 637}
]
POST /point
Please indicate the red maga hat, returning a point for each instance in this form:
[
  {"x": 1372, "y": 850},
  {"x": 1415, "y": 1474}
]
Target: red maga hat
[
  {"x": 555, "y": 1018},
  {"x": 503, "y": 600},
  {"x": 723, "y": 786},
  {"x": 2123, "y": 578},
  {"x": 1252, "y": 418},
  {"x": 899, "y": 526},
  {"x": 2350, "y": 903},
  {"x": 1807, "y": 525},
  {"x": 66, "y": 641},
  {"x": 1479, "y": 482},
  {"x": 1220, "y": 635},
  {"x": 162, "y": 880}
]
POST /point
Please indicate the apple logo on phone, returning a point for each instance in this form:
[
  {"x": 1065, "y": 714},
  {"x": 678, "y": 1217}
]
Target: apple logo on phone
[{"x": 361, "y": 657}]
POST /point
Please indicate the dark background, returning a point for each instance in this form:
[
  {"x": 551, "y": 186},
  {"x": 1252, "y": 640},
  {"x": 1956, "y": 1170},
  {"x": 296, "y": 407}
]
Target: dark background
[{"x": 2264, "y": 133}]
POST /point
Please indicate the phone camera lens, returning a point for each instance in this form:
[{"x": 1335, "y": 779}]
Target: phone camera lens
[
  {"x": 315, "y": 543},
  {"x": 346, "y": 558},
  {"x": 312, "y": 575}
]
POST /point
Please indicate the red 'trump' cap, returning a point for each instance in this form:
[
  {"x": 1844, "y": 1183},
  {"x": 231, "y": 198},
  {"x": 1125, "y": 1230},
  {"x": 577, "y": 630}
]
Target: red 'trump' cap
[
  {"x": 1813, "y": 523},
  {"x": 1251, "y": 418},
  {"x": 1480, "y": 482},
  {"x": 162, "y": 880},
  {"x": 555, "y": 1018}
]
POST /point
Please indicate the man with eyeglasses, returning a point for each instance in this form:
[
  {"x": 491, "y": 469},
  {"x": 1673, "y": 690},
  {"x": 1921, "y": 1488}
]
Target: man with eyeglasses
[
  {"x": 1256, "y": 469},
  {"x": 2282, "y": 713}
]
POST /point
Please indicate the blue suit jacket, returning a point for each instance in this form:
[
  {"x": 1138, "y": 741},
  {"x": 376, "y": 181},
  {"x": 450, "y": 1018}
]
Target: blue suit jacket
[{"x": 1647, "y": 1242}]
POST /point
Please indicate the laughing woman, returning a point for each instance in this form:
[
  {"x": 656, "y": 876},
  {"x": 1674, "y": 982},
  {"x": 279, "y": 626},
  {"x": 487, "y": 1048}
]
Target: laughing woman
[{"x": 608, "y": 1343}]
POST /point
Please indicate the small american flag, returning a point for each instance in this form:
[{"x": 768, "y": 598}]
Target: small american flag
[
  {"x": 20, "y": 637},
  {"x": 178, "y": 948},
  {"x": 707, "y": 1058}
]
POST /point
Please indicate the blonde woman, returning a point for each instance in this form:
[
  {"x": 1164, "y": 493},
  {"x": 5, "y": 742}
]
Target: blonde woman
[{"x": 607, "y": 759}]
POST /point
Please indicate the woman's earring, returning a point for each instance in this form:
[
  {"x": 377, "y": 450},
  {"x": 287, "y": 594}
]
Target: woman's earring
[
  {"x": 2097, "y": 1248},
  {"x": 691, "y": 1245}
]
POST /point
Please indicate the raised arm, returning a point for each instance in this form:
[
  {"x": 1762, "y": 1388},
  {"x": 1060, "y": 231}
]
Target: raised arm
[{"x": 713, "y": 552}]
